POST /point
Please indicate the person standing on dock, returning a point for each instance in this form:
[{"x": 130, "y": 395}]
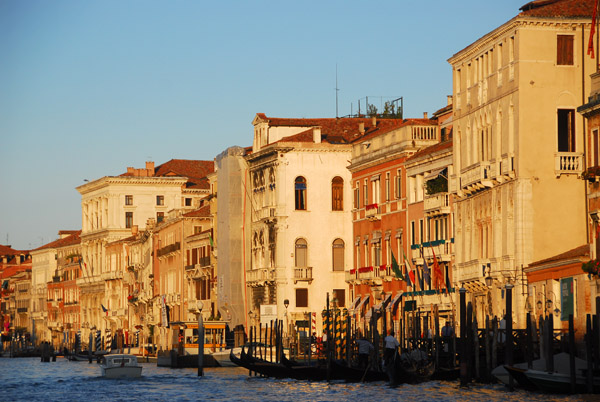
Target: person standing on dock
[{"x": 391, "y": 345}]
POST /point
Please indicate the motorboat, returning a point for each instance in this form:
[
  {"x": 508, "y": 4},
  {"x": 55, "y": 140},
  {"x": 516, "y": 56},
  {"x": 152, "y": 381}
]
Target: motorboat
[{"x": 120, "y": 366}]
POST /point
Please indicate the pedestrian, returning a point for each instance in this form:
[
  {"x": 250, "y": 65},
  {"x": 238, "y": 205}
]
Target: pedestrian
[
  {"x": 447, "y": 330},
  {"x": 391, "y": 345},
  {"x": 365, "y": 348}
]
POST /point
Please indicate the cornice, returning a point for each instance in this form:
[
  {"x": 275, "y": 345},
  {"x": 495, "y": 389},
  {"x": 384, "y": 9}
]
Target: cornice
[{"x": 130, "y": 180}]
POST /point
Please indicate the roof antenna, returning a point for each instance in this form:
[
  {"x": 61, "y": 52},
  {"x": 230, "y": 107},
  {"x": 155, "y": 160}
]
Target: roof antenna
[{"x": 336, "y": 92}]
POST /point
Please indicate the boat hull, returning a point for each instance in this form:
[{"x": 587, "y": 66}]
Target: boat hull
[{"x": 122, "y": 372}]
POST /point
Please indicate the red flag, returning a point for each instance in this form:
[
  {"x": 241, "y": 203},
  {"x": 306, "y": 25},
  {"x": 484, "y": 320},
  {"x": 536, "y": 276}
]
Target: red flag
[
  {"x": 439, "y": 276},
  {"x": 590, "y": 50}
]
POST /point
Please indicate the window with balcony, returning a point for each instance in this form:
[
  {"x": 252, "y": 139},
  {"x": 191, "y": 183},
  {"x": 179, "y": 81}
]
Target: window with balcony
[
  {"x": 564, "y": 50},
  {"x": 301, "y": 253},
  {"x": 302, "y": 297},
  {"x": 376, "y": 186},
  {"x": 129, "y": 200},
  {"x": 376, "y": 253},
  {"x": 129, "y": 220},
  {"x": 160, "y": 200},
  {"x": 300, "y": 193},
  {"x": 338, "y": 254},
  {"x": 566, "y": 130},
  {"x": 337, "y": 194}
]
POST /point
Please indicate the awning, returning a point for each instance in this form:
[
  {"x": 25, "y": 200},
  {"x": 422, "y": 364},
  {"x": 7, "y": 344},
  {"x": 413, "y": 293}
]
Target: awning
[
  {"x": 361, "y": 304},
  {"x": 434, "y": 174},
  {"x": 384, "y": 302},
  {"x": 354, "y": 303},
  {"x": 392, "y": 306}
]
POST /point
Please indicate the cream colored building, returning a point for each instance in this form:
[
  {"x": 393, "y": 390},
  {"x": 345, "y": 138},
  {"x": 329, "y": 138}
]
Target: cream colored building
[
  {"x": 113, "y": 206},
  {"x": 301, "y": 223},
  {"x": 518, "y": 149},
  {"x": 43, "y": 266}
]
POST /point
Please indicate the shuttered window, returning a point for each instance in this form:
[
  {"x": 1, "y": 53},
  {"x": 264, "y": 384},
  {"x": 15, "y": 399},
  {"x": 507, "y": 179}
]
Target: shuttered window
[
  {"x": 337, "y": 194},
  {"x": 301, "y": 297},
  {"x": 564, "y": 50},
  {"x": 338, "y": 255}
]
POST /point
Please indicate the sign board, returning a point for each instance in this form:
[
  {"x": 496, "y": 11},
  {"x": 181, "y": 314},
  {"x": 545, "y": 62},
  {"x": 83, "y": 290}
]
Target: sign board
[
  {"x": 268, "y": 313},
  {"x": 566, "y": 298}
]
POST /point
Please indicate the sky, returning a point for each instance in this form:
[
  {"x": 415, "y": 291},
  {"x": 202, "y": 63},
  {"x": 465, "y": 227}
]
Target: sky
[{"x": 88, "y": 88}]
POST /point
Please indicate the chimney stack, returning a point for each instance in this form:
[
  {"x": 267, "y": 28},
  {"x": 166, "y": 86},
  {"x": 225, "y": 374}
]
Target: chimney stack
[
  {"x": 361, "y": 128},
  {"x": 449, "y": 100},
  {"x": 134, "y": 230},
  {"x": 425, "y": 115},
  {"x": 374, "y": 121},
  {"x": 150, "y": 168},
  {"x": 317, "y": 135}
]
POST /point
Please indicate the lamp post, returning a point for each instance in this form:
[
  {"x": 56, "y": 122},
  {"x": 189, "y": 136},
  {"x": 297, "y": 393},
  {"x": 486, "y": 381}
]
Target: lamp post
[
  {"x": 199, "y": 306},
  {"x": 286, "y": 304}
]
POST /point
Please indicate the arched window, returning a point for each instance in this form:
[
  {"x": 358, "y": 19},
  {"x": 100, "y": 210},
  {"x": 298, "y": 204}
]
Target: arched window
[
  {"x": 337, "y": 194},
  {"x": 300, "y": 193},
  {"x": 338, "y": 254},
  {"x": 301, "y": 253}
]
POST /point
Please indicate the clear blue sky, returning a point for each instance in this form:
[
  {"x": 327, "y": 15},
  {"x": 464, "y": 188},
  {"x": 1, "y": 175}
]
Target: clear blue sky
[{"x": 90, "y": 87}]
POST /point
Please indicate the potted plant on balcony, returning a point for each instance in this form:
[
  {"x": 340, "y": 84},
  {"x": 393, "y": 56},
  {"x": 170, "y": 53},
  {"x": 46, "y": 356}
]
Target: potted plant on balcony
[{"x": 592, "y": 268}]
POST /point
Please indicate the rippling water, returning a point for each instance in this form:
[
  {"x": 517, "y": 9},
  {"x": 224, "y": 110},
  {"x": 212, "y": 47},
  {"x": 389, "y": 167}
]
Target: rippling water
[{"x": 27, "y": 379}]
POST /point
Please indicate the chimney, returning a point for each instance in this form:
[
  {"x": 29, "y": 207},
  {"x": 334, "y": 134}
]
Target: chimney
[
  {"x": 424, "y": 115},
  {"x": 361, "y": 128},
  {"x": 449, "y": 100},
  {"x": 134, "y": 230},
  {"x": 317, "y": 135},
  {"x": 374, "y": 121},
  {"x": 130, "y": 170},
  {"x": 150, "y": 168}
]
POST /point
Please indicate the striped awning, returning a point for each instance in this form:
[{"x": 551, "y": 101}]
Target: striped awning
[
  {"x": 354, "y": 303},
  {"x": 392, "y": 306},
  {"x": 361, "y": 304},
  {"x": 384, "y": 302}
]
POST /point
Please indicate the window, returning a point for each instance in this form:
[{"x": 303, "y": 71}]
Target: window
[
  {"x": 129, "y": 200},
  {"x": 594, "y": 153},
  {"x": 338, "y": 255},
  {"x": 366, "y": 191},
  {"x": 376, "y": 190},
  {"x": 128, "y": 219},
  {"x": 377, "y": 253},
  {"x": 340, "y": 295},
  {"x": 387, "y": 186},
  {"x": 300, "y": 193},
  {"x": 413, "y": 235},
  {"x": 160, "y": 216},
  {"x": 301, "y": 251},
  {"x": 188, "y": 202},
  {"x": 197, "y": 229},
  {"x": 357, "y": 196},
  {"x": 566, "y": 130},
  {"x": 337, "y": 194},
  {"x": 301, "y": 297},
  {"x": 160, "y": 200},
  {"x": 564, "y": 50},
  {"x": 399, "y": 184}
]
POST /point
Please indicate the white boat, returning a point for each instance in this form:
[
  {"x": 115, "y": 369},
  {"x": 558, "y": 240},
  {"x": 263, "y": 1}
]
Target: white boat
[{"x": 120, "y": 366}]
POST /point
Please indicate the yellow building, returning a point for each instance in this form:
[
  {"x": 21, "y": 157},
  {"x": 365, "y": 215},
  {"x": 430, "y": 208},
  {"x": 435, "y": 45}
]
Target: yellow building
[{"x": 518, "y": 149}]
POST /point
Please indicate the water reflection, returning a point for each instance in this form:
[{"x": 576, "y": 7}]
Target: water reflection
[{"x": 31, "y": 380}]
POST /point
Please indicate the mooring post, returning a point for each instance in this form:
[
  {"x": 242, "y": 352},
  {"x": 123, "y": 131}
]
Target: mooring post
[
  {"x": 463, "y": 344},
  {"x": 509, "y": 334},
  {"x": 200, "y": 340}
]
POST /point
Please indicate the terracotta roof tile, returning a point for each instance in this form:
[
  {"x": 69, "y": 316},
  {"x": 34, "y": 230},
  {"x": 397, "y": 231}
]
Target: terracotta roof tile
[
  {"x": 186, "y": 168},
  {"x": 67, "y": 241},
  {"x": 558, "y": 9},
  {"x": 202, "y": 212},
  {"x": 431, "y": 149}
]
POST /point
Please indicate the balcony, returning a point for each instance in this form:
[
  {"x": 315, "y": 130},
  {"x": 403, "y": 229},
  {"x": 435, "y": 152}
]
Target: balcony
[
  {"x": 171, "y": 248},
  {"x": 21, "y": 309},
  {"x": 437, "y": 204},
  {"x": 568, "y": 163},
  {"x": 303, "y": 274},
  {"x": 260, "y": 277},
  {"x": 373, "y": 212},
  {"x": 476, "y": 178},
  {"x": 370, "y": 275},
  {"x": 112, "y": 275}
]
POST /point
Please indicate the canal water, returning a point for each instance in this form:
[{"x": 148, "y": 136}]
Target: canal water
[{"x": 28, "y": 379}]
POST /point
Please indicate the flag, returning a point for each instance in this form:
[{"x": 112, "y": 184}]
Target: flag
[
  {"x": 396, "y": 268},
  {"x": 212, "y": 243},
  {"x": 590, "y": 50},
  {"x": 426, "y": 272},
  {"x": 439, "y": 276},
  {"x": 410, "y": 278},
  {"x": 104, "y": 309}
]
